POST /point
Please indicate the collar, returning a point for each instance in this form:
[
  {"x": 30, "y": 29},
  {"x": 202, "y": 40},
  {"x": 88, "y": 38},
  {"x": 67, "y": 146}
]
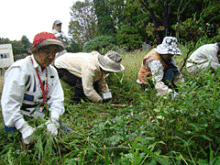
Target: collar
[{"x": 36, "y": 65}]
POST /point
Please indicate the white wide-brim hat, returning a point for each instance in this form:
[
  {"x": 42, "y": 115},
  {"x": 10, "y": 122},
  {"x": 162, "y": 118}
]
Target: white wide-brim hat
[
  {"x": 111, "y": 62},
  {"x": 169, "y": 46}
]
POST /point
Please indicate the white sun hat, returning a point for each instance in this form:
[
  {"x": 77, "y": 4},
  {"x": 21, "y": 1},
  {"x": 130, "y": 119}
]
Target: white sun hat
[
  {"x": 111, "y": 62},
  {"x": 169, "y": 46}
]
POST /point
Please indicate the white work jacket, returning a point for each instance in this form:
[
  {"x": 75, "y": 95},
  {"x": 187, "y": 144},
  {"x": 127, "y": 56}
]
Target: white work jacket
[{"x": 22, "y": 93}]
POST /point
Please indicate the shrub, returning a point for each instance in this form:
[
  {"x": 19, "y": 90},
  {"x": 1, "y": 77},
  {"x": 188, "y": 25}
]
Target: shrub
[
  {"x": 101, "y": 44},
  {"x": 73, "y": 47},
  {"x": 129, "y": 36}
]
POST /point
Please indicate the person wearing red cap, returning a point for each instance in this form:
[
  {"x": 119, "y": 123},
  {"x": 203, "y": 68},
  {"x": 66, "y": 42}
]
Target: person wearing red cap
[{"x": 31, "y": 82}]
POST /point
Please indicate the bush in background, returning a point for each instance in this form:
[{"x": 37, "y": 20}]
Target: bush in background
[{"x": 102, "y": 44}]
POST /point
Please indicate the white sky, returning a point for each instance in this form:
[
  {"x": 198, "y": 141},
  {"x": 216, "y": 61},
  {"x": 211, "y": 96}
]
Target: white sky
[{"x": 29, "y": 17}]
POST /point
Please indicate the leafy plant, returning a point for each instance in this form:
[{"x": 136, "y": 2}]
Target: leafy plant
[{"x": 101, "y": 44}]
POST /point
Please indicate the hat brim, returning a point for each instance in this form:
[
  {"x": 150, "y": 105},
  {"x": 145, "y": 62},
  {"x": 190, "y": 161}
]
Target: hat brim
[
  {"x": 164, "y": 50},
  {"x": 109, "y": 68},
  {"x": 49, "y": 42}
]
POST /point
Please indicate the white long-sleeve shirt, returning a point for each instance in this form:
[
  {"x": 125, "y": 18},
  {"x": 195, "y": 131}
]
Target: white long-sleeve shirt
[
  {"x": 22, "y": 93},
  {"x": 203, "y": 57},
  {"x": 60, "y": 35},
  {"x": 86, "y": 67},
  {"x": 157, "y": 71}
]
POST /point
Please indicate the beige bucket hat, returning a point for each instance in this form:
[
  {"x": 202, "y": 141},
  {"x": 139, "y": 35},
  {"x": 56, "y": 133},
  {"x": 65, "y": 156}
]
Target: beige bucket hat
[{"x": 111, "y": 62}]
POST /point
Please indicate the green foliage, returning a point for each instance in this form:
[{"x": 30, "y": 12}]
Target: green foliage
[
  {"x": 101, "y": 44},
  {"x": 73, "y": 47},
  {"x": 148, "y": 130},
  {"x": 18, "y": 47},
  {"x": 4, "y": 41},
  {"x": 129, "y": 36},
  {"x": 83, "y": 25},
  {"x": 190, "y": 30},
  {"x": 25, "y": 41},
  {"x": 105, "y": 22}
]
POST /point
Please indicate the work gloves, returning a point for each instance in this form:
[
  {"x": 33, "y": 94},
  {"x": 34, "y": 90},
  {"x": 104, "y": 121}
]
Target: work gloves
[
  {"x": 61, "y": 35},
  {"x": 26, "y": 132},
  {"x": 52, "y": 126}
]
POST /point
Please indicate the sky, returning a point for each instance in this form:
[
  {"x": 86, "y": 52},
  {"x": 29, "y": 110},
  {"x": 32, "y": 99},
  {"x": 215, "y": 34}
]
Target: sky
[{"x": 28, "y": 17}]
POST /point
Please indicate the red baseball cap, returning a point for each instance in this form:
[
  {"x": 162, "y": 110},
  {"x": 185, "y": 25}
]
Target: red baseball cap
[{"x": 44, "y": 39}]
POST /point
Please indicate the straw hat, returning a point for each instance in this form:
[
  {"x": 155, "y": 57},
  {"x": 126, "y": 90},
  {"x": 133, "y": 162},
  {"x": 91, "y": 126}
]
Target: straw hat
[{"x": 111, "y": 62}]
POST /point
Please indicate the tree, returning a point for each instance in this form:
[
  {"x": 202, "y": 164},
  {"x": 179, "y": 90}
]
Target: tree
[
  {"x": 72, "y": 46},
  {"x": 26, "y": 43},
  {"x": 131, "y": 30},
  {"x": 83, "y": 25},
  {"x": 18, "y": 49},
  {"x": 4, "y": 41},
  {"x": 102, "y": 44},
  {"x": 105, "y": 22},
  {"x": 161, "y": 11},
  {"x": 128, "y": 36}
]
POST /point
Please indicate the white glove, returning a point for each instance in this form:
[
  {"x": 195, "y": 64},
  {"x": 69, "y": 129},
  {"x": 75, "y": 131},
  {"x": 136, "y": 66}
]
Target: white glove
[
  {"x": 58, "y": 35},
  {"x": 174, "y": 94},
  {"x": 64, "y": 36},
  {"x": 26, "y": 132},
  {"x": 52, "y": 126}
]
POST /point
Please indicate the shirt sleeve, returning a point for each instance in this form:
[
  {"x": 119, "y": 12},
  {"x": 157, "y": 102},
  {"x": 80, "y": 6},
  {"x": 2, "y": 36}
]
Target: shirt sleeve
[
  {"x": 212, "y": 58},
  {"x": 87, "y": 83},
  {"x": 56, "y": 100},
  {"x": 157, "y": 71},
  {"x": 12, "y": 97},
  {"x": 103, "y": 85}
]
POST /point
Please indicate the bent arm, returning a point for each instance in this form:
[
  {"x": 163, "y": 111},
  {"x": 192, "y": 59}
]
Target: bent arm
[
  {"x": 12, "y": 97},
  {"x": 157, "y": 71},
  {"x": 88, "y": 88}
]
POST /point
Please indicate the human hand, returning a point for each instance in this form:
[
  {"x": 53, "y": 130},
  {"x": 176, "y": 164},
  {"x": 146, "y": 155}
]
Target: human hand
[
  {"x": 52, "y": 126},
  {"x": 58, "y": 35},
  {"x": 174, "y": 94},
  {"x": 26, "y": 132}
]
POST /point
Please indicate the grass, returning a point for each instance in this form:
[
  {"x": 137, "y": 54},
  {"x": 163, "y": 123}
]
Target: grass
[{"x": 148, "y": 130}]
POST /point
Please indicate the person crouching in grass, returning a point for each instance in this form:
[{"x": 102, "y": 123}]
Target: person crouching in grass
[
  {"x": 159, "y": 70},
  {"x": 31, "y": 82}
]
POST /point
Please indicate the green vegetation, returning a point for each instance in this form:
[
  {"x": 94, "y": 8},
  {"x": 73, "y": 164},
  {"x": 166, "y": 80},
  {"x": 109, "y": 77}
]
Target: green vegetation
[
  {"x": 148, "y": 130},
  {"x": 101, "y": 44}
]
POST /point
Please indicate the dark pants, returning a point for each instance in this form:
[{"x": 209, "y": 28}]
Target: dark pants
[
  {"x": 168, "y": 77},
  {"x": 9, "y": 129},
  {"x": 76, "y": 82}
]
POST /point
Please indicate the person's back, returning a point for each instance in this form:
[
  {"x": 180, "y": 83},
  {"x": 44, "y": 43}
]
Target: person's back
[
  {"x": 200, "y": 55},
  {"x": 203, "y": 57},
  {"x": 76, "y": 62}
]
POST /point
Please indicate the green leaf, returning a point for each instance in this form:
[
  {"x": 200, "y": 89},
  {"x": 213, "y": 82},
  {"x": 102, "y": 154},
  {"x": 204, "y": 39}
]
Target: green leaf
[{"x": 206, "y": 137}]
